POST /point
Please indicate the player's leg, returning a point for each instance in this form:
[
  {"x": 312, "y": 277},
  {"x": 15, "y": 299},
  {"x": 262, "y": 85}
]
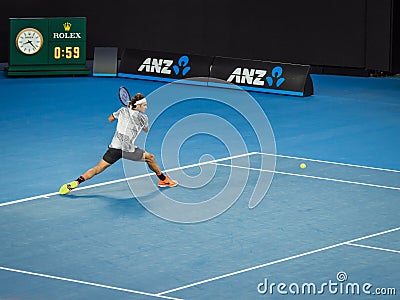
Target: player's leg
[
  {"x": 151, "y": 162},
  {"x": 110, "y": 157},
  {"x": 100, "y": 167},
  {"x": 164, "y": 181}
]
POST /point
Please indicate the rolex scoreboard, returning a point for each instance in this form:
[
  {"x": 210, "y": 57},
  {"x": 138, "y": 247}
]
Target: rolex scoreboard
[{"x": 47, "y": 46}]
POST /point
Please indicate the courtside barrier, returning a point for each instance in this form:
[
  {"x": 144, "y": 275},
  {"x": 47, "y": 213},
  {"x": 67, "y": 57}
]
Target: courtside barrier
[
  {"x": 163, "y": 66},
  {"x": 250, "y": 75},
  {"x": 263, "y": 76}
]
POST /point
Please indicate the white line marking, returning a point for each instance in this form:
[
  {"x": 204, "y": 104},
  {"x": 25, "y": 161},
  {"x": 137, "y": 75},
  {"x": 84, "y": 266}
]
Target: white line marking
[
  {"x": 87, "y": 283},
  {"x": 313, "y": 177},
  {"x": 330, "y": 162},
  {"x": 276, "y": 261},
  {"x": 126, "y": 179},
  {"x": 375, "y": 248},
  {"x": 28, "y": 199},
  {"x": 169, "y": 170}
]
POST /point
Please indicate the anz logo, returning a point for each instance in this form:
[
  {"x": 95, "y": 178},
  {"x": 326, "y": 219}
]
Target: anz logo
[
  {"x": 165, "y": 66},
  {"x": 257, "y": 77},
  {"x": 182, "y": 66}
]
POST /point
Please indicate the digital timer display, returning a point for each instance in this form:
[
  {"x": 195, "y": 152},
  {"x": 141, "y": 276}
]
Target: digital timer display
[
  {"x": 67, "y": 41},
  {"x": 69, "y": 52}
]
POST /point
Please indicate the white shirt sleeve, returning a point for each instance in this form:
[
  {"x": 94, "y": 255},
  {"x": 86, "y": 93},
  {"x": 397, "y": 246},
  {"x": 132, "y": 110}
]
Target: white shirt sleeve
[{"x": 117, "y": 113}]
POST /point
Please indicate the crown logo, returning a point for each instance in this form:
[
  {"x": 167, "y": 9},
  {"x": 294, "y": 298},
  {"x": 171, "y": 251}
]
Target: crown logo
[{"x": 67, "y": 26}]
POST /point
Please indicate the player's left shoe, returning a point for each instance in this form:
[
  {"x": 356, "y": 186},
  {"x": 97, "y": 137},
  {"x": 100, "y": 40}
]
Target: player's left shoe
[
  {"x": 66, "y": 188},
  {"x": 167, "y": 182}
]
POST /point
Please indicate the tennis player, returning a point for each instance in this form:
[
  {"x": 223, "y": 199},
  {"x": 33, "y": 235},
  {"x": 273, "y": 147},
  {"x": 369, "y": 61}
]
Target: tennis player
[{"x": 131, "y": 120}]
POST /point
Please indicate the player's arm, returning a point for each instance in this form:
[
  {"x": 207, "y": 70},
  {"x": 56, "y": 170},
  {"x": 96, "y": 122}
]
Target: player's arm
[
  {"x": 111, "y": 118},
  {"x": 145, "y": 123}
]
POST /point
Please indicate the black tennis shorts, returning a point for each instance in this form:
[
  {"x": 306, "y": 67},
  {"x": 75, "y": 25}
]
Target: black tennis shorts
[{"x": 112, "y": 155}]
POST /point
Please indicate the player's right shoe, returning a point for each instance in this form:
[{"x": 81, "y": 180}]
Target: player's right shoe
[
  {"x": 167, "y": 182},
  {"x": 66, "y": 188}
]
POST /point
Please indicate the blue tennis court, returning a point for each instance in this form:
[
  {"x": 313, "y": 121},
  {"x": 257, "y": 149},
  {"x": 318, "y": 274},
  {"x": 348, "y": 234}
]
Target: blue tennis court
[{"x": 330, "y": 230}]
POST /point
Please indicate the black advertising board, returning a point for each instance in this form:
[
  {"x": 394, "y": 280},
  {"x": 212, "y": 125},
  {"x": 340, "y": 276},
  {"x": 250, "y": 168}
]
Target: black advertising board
[
  {"x": 262, "y": 76},
  {"x": 250, "y": 75},
  {"x": 163, "y": 66}
]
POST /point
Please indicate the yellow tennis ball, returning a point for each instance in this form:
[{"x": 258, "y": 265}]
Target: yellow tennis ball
[{"x": 303, "y": 166}]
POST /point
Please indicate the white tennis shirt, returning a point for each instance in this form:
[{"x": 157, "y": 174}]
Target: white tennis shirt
[{"x": 130, "y": 123}]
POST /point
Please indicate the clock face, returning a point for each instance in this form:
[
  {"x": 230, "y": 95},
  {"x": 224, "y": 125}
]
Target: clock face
[{"x": 29, "y": 41}]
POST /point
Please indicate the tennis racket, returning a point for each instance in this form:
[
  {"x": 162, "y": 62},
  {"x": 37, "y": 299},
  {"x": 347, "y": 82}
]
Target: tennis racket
[{"x": 124, "y": 95}]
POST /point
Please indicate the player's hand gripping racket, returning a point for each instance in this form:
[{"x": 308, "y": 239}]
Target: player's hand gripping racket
[{"x": 124, "y": 95}]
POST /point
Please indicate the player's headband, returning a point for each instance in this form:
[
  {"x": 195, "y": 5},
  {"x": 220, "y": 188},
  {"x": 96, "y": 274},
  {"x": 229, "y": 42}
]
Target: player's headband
[{"x": 141, "y": 101}]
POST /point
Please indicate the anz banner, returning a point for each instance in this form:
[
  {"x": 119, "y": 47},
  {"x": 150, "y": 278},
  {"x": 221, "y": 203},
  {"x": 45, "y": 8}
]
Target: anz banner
[
  {"x": 262, "y": 76},
  {"x": 163, "y": 66},
  {"x": 250, "y": 75}
]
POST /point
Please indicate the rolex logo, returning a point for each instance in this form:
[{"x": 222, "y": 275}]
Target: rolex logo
[
  {"x": 67, "y": 26},
  {"x": 67, "y": 35}
]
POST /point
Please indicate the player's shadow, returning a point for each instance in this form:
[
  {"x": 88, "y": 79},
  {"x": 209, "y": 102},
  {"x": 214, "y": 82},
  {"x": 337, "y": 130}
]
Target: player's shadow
[{"x": 120, "y": 206}]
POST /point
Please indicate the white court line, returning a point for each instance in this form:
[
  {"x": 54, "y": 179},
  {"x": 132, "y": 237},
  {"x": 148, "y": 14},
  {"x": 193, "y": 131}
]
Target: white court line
[
  {"x": 276, "y": 262},
  {"x": 330, "y": 162},
  {"x": 29, "y": 199},
  {"x": 87, "y": 283},
  {"x": 375, "y": 248},
  {"x": 313, "y": 177},
  {"x": 45, "y": 196}
]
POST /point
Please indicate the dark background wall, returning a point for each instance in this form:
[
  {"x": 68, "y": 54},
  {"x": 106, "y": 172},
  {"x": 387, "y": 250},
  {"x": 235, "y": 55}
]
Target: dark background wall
[{"x": 352, "y": 34}]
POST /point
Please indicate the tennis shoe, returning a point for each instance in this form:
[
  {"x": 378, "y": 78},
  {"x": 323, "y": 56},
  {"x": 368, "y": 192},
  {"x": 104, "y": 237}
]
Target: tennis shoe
[
  {"x": 66, "y": 188},
  {"x": 167, "y": 182}
]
